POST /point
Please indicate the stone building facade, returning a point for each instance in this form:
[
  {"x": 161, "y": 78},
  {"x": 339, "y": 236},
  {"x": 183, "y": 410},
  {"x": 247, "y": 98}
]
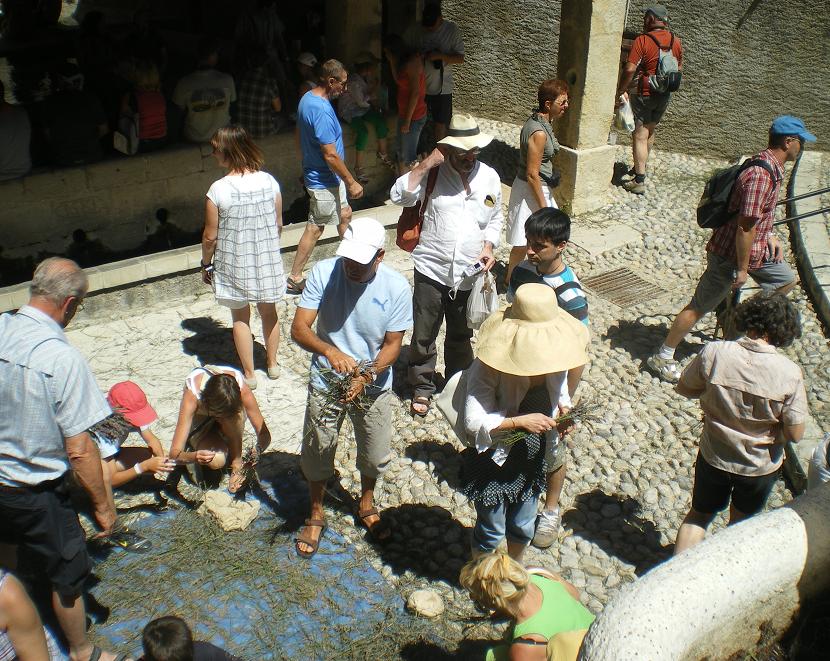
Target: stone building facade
[{"x": 744, "y": 63}]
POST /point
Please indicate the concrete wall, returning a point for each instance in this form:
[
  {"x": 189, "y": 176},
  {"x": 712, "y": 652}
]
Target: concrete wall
[
  {"x": 736, "y": 79},
  {"x": 719, "y": 597},
  {"x": 116, "y": 201}
]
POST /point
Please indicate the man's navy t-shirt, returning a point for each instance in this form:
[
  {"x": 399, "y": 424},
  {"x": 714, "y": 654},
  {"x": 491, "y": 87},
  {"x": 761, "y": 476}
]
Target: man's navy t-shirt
[{"x": 318, "y": 126}]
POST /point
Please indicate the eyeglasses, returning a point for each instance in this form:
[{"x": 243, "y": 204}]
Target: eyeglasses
[
  {"x": 470, "y": 153},
  {"x": 343, "y": 83}
]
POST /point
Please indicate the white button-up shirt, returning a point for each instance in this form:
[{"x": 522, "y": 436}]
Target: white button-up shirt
[
  {"x": 456, "y": 224},
  {"x": 493, "y": 396}
]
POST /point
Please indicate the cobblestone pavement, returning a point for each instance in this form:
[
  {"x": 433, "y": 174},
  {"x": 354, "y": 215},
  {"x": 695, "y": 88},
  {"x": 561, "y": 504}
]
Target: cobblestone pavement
[{"x": 629, "y": 477}]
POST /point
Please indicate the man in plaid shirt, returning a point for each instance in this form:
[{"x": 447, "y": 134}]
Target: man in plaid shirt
[{"x": 745, "y": 246}]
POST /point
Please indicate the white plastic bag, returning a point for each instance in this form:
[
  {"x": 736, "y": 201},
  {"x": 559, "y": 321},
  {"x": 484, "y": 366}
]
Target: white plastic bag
[
  {"x": 624, "y": 119},
  {"x": 483, "y": 301}
]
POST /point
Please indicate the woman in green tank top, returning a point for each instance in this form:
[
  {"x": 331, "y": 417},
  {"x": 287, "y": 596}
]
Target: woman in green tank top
[{"x": 544, "y": 608}]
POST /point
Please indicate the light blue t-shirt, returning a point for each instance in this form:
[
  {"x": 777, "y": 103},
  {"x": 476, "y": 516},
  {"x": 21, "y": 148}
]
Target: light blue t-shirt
[
  {"x": 355, "y": 317},
  {"x": 318, "y": 126}
]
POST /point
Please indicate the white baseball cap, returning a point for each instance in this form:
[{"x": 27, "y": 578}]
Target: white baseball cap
[
  {"x": 362, "y": 240},
  {"x": 307, "y": 58}
]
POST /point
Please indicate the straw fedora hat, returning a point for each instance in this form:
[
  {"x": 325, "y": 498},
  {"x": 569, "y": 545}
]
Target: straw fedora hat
[
  {"x": 533, "y": 336},
  {"x": 464, "y": 133}
]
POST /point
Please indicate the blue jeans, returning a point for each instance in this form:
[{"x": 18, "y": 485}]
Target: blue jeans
[
  {"x": 516, "y": 521},
  {"x": 408, "y": 142}
]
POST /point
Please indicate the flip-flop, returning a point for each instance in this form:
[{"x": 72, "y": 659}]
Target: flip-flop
[
  {"x": 376, "y": 530},
  {"x": 306, "y": 539},
  {"x": 423, "y": 401}
]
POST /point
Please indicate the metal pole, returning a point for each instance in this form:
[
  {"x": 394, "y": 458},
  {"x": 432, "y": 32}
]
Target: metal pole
[
  {"x": 802, "y": 215},
  {"x": 803, "y": 195}
]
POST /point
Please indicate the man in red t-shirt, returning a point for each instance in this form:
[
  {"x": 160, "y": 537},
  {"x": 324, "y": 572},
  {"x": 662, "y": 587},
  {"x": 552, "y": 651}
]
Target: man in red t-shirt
[
  {"x": 648, "y": 106},
  {"x": 746, "y": 245}
]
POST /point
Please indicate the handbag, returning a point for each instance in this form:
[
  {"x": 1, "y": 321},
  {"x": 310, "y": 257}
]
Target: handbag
[
  {"x": 412, "y": 218},
  {"x": 452, "y": 404},
  {"x": 483, "y": 301}
]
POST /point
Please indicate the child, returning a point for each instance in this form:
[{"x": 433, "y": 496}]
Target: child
[
  {"x": 547, "y": 231},
  {"x": 211, "y": 422},
  {"x": 169, "y": 639},
  {"x": 355, "y": 108}
]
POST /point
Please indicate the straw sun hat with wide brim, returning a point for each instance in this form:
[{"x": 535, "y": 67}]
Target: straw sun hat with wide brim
[
  {"x": 463, "y": 133},
  {"x": 533, "y": 336}
]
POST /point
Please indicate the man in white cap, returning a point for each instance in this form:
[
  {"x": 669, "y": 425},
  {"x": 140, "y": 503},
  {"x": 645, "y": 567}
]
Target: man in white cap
[
  {"x": 362, "y": 309},
  {"x": 461, "y": 228}
]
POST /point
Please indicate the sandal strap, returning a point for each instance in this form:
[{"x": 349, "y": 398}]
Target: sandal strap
[
  {"x": 372, "y": 511},
  {"x": 315, "y": 523}
]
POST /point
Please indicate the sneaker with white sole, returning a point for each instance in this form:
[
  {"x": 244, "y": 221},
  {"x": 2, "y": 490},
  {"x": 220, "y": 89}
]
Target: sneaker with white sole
[
  {"x": 667, "y": 369},
  {"x": 635, "y": 187},
  {"x": 547, "y": 528}
]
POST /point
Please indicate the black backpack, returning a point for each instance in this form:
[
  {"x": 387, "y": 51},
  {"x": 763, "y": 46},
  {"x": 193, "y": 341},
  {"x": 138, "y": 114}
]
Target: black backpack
[{"x": 713, "y": 208}]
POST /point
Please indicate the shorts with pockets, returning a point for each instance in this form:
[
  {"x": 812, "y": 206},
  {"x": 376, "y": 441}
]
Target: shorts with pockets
[
  {"x": 713, "y": 488},
  {"x": 649, "y": 109},
  {"x": 440, "y": 107},
  {"x": 716, "y": 282},
  {"x": 326, "y": 204}
]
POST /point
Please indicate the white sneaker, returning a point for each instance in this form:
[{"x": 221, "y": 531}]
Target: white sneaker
[
  {"x": 667, "y": 369},
  {"x": 547, "y": 528}
]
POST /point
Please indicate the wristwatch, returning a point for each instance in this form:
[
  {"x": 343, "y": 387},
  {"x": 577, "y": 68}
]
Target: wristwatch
[{"x": 207, "y": 268}]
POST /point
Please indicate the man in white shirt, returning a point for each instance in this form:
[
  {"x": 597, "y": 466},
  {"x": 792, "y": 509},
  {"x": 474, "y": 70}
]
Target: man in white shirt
[{"x": 462, "y": 226}]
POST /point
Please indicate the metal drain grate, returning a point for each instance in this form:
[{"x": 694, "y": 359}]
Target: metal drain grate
[{"x": 622, "y": 287}]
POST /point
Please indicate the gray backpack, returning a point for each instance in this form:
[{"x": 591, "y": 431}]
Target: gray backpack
[{"x": 667, "y": 76}]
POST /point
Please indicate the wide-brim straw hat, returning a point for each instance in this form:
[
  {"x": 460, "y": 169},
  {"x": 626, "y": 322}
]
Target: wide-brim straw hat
[
  {"x": 533, "y": 336},
  {"x": 464, "y": 133}
]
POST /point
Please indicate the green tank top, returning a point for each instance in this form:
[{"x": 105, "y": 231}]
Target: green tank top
[
  {"x": 531, "y": 126},
  {"x": 560, "y": 612}
]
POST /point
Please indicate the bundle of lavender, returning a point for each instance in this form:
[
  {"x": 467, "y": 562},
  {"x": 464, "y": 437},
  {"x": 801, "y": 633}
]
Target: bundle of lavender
[
  {"x": 338, "y": 389},
  {"x": 584, "y": 412}
]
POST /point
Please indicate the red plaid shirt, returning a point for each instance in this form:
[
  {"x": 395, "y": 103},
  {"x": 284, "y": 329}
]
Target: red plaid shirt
[{"x": 754, "y": 196}]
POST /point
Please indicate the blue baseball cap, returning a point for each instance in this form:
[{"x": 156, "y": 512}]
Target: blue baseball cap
[{"x": 789, "y": 125}]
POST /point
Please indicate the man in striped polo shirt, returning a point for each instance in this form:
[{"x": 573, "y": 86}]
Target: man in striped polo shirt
[{"x": 547, "y": 232}]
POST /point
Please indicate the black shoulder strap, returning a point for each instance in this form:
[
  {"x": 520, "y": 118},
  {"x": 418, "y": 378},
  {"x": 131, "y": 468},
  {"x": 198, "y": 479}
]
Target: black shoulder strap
[
  {"x": 657, "y": 43},
  {"x": 761, "y": 163}
]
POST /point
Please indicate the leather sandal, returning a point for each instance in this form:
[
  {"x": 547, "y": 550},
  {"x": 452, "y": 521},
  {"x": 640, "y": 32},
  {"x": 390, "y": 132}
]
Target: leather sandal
[
  {"x": 426, "y": 402},
  {"x": 306, "y": 539},
  {"x": 380, "y": 531}
]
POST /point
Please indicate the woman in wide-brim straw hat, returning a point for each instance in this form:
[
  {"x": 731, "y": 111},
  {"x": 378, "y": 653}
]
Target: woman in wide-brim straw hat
[{"x": 516, "y": 388}]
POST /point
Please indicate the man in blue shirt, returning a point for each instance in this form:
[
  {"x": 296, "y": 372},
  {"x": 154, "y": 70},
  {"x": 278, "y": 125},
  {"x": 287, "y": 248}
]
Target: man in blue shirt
[
  {"x": 362, "y": 309},
  {"x": 326, "y": 177},
  {"x": 548, "y": 231},
  {"x": 48, "y": 400}
]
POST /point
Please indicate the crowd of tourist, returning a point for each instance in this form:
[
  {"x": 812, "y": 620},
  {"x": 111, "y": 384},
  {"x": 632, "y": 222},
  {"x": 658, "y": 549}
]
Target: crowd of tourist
[{"x": 518, "y": 387}]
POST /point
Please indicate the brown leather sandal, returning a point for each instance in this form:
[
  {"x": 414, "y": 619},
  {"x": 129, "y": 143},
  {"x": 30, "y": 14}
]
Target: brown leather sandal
[
  {"x": 380, "y": 531},
  {"x": 306, "y": 539}
]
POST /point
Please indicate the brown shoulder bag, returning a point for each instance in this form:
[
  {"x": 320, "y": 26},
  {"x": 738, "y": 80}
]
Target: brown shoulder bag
[{"x": 412, "y": 218}]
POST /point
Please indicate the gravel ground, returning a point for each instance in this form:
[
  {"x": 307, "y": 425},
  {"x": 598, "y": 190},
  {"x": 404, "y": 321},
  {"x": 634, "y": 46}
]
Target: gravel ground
[{"x": 629, "y": 476}]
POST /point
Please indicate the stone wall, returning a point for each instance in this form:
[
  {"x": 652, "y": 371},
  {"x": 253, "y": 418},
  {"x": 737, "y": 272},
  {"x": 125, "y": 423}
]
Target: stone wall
[
  {"x": 736, "y": 77},
  {"x": 115, "y": 201}
]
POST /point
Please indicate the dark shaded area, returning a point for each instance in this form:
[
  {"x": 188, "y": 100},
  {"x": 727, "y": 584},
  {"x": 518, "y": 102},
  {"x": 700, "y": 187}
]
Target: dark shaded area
[
  {"x": 615, "y": 525},
  {"x": 444, "y": 457},
  {"x": 425, "y": 650},
  {"x": 212, "y": 343},
  {"x": 503, "y": 158},
  {"x": 443, "y": 543},
  {"x": 640, "y": 340}
]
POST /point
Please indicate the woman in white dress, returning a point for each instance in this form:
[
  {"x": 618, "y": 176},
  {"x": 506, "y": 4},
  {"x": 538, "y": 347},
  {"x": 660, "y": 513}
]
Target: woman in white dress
[
  {"x": 241, "y": 245},
  {"x": 535, "y": 177}
]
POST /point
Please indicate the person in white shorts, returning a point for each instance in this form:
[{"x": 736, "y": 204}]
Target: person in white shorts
[{"x": 535, "y": 177}]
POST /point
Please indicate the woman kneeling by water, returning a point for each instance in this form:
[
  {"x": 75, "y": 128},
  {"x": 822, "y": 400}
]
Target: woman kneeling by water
[
  {"x": 547, "y": 620},
  {"x": 211, "y": 421}
]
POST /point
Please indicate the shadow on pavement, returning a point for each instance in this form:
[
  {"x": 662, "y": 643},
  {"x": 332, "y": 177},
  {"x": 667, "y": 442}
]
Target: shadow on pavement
[
  {"x": 212, "y": 343},
  {"x": 614, "y": 524}
]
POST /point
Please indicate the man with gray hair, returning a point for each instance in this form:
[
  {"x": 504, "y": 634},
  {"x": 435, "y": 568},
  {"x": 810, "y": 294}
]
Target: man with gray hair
[
  {"x": 325, "y": 175},
  {"x": 48, "y": 400}
]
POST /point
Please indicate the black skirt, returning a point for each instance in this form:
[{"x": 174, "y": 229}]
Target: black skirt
[{"x": 522, "y": 476}]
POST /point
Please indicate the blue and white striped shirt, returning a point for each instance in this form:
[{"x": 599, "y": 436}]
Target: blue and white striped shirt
[
  {"x": 47, "y": 394},
  {"x": 569, "y": 293}
]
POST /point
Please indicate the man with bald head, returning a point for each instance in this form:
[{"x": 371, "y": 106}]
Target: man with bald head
[{"x": 48, "y": 400}]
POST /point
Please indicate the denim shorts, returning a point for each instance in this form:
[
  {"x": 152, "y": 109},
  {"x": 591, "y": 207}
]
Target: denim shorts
[
  {"x": 408, "y": 142},
  {"x": 716, "y": 282}
]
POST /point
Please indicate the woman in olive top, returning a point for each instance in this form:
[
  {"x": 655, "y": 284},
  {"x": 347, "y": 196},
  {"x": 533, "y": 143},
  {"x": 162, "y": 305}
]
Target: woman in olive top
[
  {"x": 544, "y": 608},
  {"x": 535, "y": 178}
]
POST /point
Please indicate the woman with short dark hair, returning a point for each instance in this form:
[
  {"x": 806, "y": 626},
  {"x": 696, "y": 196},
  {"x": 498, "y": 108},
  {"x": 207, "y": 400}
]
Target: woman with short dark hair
[
  {"x": 535, "y": 180},
  {"x": 753, "y": 403},
  {"x": 241, "y": 245}
]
